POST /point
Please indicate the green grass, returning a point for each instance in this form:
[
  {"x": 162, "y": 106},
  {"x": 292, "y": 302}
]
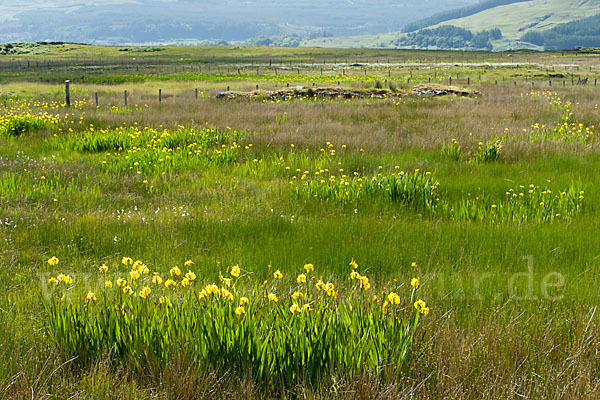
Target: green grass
[{"x": 511, "y": 285}]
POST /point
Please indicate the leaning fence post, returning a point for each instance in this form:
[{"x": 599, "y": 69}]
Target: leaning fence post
[{"x": 68, "y": 93}]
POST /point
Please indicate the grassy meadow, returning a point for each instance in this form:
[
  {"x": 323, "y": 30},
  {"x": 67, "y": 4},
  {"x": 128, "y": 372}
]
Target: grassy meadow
[{"x": 411, "y": 246}]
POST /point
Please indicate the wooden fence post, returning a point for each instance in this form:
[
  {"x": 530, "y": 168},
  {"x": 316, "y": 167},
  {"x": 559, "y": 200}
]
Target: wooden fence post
[
  {"x": 125, "y": 97},
  {"x": 96, "y": 98},
  {"x": 159, "y": 96},
  {"x": 68, "y": 93}
]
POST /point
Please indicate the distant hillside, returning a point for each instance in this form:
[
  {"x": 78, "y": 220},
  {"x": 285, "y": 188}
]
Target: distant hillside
[
  {"x": 123, "y": 22},
  {"x": 523, "y": 24},
  {"x": 457, "y": 13}
]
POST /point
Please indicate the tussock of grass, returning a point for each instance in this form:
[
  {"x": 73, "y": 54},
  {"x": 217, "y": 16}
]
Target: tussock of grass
[
  {"x": 22, "y": 124},
  {"x": 148, "y": 150},
  {"x": 282, "y": 332},
  {"x": 452, "y": 150},
  {"x": 417, "y": 189},
  {"x": 487, "y": 152},
  {"x": 521, "y": 205}
]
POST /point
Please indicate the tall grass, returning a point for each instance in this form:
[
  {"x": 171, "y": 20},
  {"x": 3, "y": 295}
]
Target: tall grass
[
  {"x": 280, "y": 332},
  {"x": 452, "y": 150},
  {"x": 148, "y": 150},
  {"x": 417, "y": 189},
  {"x": 49, "y": 189},
  {"x": 521, "y": 205},
  {"x": 21, "y": 124}
]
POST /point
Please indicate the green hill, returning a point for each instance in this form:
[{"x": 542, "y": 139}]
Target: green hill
[
  {"x": 529, "y": 24},
  {"x": 154, "y": 22}
]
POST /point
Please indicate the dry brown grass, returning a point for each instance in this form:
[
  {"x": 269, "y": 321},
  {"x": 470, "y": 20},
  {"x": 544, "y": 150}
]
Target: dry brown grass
[{"x": 376, "y": 126}]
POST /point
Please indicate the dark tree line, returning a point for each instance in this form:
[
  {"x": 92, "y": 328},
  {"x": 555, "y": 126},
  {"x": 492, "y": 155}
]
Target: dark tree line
[
  {"x": 449, "y": 37},
  {"x": 584, "y": 33}
]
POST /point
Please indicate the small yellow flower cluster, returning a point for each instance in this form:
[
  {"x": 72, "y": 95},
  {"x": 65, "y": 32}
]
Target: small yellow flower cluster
[
  {"x": 156, "y": 279},
  {"x": 301, "y": 278},
  {"x": 226, "y": 281},
  {"x": 421, "y": 307},
  {"x": 295, "y": 308},
  {"x": 298, "y": 295},
  {"x": 364, "y": 281},
  {"x": 61, "y": 278},
  {"x": 213, "y": 289},
  {"x": 240, "y": 310},
  {"x": 392, "y": 298},
  {"x": 145, "y": 292},
  {"x": 138, "y": 269},
  {"x": 164, "y": 300},
  {"x": 141, "y": 284},
  {"x": 414, "y": 282},
  {"x": 326, "y": 287},
  {"x": 90, "y": 297}
]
